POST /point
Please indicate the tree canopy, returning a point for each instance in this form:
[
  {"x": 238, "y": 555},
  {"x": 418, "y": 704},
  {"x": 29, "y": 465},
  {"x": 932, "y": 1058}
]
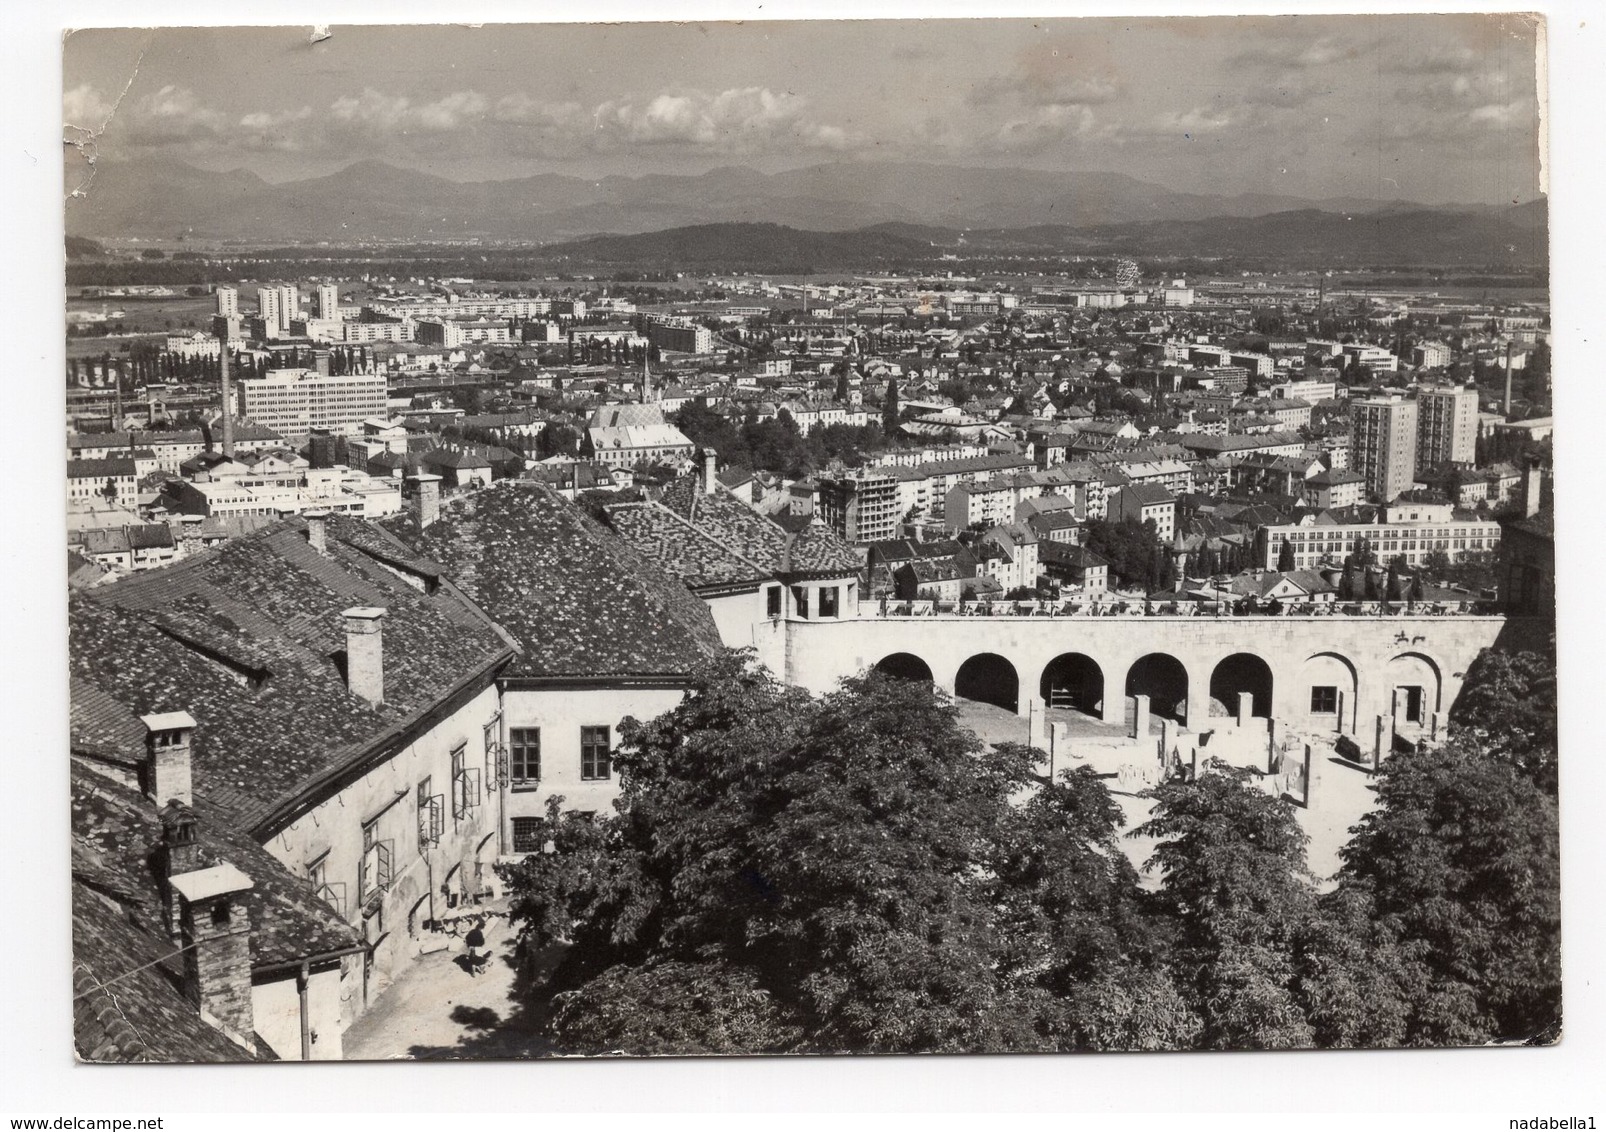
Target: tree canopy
[{"x": 858, "y": 872}]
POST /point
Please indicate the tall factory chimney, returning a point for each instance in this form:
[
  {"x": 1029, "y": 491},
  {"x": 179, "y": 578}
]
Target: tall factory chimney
[
  {"x": 1506, "y": 408},
  {"x": 228, "y": 394}
]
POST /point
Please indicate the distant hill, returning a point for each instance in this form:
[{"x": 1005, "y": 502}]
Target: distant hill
[
  {"x": 1300, "y": 237},
  {"x": 373, "y": 201},
  {"x": 752, "y": 247}
]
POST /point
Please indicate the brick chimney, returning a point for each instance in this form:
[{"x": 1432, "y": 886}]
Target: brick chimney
[
  {"x": 215, "y": 930},
  {"x": 181, "y": 853},
  {"x": 426, "y": 498},
  {"x": 365, "y": 653},
  {"x": 318, "y": 531},
  {"x": 710, "y": 481},
  {"x": 1533, "y": 481},
  {"x": 166, "y": 775}
]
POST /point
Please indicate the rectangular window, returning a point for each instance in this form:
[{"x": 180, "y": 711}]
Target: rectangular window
[
  {"x": 431, "y": 816},
  {"x": 1413, "y": 704},
  {"x": 527, "y": 835},
  {"x": 465, "y": 785},
  {"x": 494, "y": 770},
  {"x": 1323, "y": 699},
  {"x": 596, "y": 753},
  {"x": 524, "y": 757},
  {"x": 374, "y": 874},
  {"x": 772, "y": 599},
  {"x": 800, "y": 598},
  {"x": 828, "y": 601}
]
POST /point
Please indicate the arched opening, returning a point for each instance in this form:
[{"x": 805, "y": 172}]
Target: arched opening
[
  {"x": 1325, "y": 691},
  {"x": 1164, "y": 680},
  {"x": 989, "y": 678},
  {"x": 1414, "y": 689},
  {"x": 904, "y": 666},
  {"x": 1239, "y": 673},
  {"x": 1074, "y": 680}
]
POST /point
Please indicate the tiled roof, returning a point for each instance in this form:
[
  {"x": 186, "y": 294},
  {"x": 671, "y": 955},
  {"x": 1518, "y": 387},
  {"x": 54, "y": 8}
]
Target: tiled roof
[
  {"x": 579, "y": 600},
  {"x": 729, "y": 521},
  {"x": 244, "y": 638},
  {"x": 143, "y": 1015},
  {"x": 817, "y": 549},
  {"x": 122, "y": 830},
  {"x": 697, "y": 559}
]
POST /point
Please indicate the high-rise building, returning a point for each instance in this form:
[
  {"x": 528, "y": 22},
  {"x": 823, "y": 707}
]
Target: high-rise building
[
  {"x": 268, "y": 308},
  {"x": 1383, "y": 444},
  {"x": 1446, "y": 427},
  {"x": 328, "y": 302},
  {"x": 289, "y": 305},
  {"x": 294, "y": 402},
  {"x": 228, "y": 302},
  {"x": 861, "y": 506}
]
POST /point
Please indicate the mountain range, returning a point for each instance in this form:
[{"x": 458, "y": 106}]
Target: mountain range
[{"x": 1083, "y": 210}]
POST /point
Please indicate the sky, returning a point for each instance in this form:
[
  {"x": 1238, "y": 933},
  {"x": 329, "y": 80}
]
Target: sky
[{"x": 1426, "y": 108}]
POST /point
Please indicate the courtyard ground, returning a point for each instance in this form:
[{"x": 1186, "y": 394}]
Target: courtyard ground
[{"x": 435, "y": 1010}]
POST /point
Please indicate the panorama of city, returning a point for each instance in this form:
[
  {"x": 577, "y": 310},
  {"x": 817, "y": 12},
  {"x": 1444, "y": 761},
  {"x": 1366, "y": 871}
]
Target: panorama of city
[{"x": 782, "y": 600}]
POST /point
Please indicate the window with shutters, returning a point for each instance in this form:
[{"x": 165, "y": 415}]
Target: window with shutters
[
  {"x": 524, "y": 758},
  {"x": 375, "y": 872},
  {"x": 465, "y": 785},
  {"x": 431, "y": 816},
  {"x": 596, "y": 753},
  {"x": 495, "y": 758}
]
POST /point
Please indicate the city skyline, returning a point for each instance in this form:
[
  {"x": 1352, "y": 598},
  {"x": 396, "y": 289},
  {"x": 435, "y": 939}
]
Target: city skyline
[{"x": 1437, "y": 109}]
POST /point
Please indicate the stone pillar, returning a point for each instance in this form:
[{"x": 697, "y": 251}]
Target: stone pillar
[
  {"x": 1197, "y": 716},
  {"x": 216, "y": 932},
  {"x": 1397, "y": 708},
  {"x": 1168, "y": 737},
  {"x": 1113, "y": 708},
  {"x": 1382, "y": 741},
  {"x": 1059, "y": 739},
  {"x": 1037, "y": 722},
  {"x": 1246, "y": 708},
  {"x": 1436, "y": 726},
  {"x": 1140, "y": 717},
  {"x": 1343, "y": 714}
]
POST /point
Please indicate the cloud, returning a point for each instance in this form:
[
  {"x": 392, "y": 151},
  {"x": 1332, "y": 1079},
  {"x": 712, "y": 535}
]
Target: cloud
[
  {"x": 741, "y": 119},
  {"x": 173, "y": 115},
  {"x": 386, "y": 113},
  {"x": 1036, "y": 88},
  {"x": 84, "y": 107},
  {"x": 1292, "y": 53}
]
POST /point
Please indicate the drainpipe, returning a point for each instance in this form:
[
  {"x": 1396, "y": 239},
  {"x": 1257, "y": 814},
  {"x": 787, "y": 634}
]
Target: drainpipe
[{"x": 302, "y": 977}]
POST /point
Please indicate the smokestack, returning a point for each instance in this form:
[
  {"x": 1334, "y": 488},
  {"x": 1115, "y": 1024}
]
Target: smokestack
[
  {"x": 1532, "y": 487},
  {"x": 318, "y": 531},
  {"x": 1507, "y": 407},
  {"x": 167, "y": 756},
  {"x": 365, "y": 653},
  {"x": 215, "y": 929},
  {"x": 426, "y": 498},
  {"x": 710, "y": 483},
  {"x": 228, "y": 394}
]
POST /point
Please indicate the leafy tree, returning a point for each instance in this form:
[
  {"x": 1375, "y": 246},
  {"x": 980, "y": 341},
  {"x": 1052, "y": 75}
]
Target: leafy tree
[
  {"x": 890, "y": 418},
  {"x": 1507, "y": 706},
  {"x": 1234, "y": 880},
  {"x": 1285, "y": 557},
  {"x": 1460, "y": 861}
]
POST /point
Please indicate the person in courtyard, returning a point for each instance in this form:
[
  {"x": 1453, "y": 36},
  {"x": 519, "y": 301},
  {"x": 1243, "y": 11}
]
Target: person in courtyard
[{"x": 474, "y": 942}]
